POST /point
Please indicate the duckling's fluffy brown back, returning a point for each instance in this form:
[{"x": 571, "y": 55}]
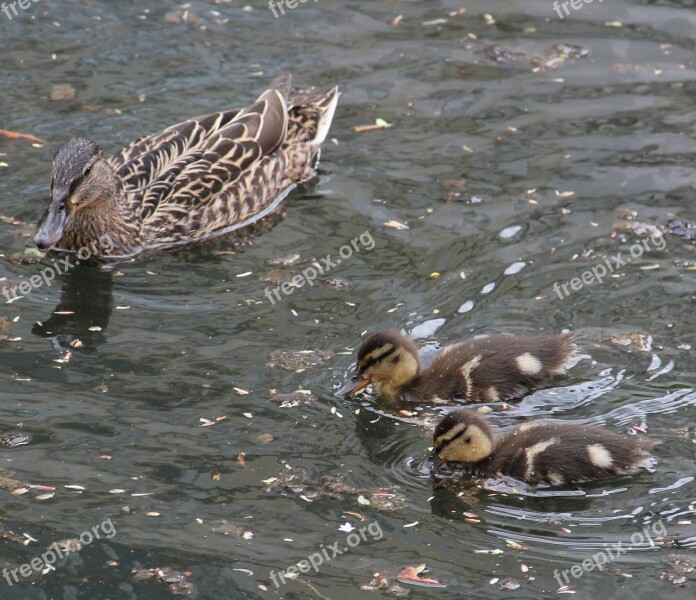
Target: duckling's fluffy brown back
[
  {"x": 562, "y": 453},
  {"x": 494, "y": 368}
]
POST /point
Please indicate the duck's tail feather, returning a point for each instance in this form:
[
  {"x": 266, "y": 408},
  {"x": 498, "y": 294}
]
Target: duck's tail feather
[
  {"x": 282, "y": 83},
  {"x": 326, "y": 107}
]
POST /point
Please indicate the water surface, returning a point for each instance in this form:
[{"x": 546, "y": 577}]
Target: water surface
[{"x": 513, "y": 167}]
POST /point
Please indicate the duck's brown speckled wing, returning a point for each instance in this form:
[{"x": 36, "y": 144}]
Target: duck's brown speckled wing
[
  {"x": 213, "y": 174},
  {"x": 206, "y": 174},
  {"x": 139, "y": 164}
]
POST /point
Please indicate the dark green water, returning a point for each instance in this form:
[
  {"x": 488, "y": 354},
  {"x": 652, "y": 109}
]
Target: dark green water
[{"x": 477, "y": 146}]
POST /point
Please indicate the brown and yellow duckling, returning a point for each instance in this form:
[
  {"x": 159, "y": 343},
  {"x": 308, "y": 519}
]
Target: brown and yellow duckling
[
  {"x": 199, "y": 179},
  {"x": 485, "y": 369},
  {"x": 541, "y": 452}
]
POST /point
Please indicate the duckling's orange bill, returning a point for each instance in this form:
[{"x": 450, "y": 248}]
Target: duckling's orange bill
[{"x": 354, "y": 384}]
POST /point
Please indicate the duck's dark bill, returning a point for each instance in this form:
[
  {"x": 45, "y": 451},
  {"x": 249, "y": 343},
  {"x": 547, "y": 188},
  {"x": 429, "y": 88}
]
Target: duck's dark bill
[
  {"x": 354, "y": 384},
  {"x": 438, "y": 462},
  {"x": 51, "y": 226}
]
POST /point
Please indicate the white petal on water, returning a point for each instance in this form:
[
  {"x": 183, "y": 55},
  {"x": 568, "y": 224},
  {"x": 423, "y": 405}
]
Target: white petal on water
[
  {"x": 509, "y": 232},
  {"x": 488, "y": 288},
  {"x": 655, "y": 363},
  {"x": 668, "y": 367},
  {"x": 515, "y": 268},
  {"x": 466, "y": 307},
  {"x": 427, "y": 328}
]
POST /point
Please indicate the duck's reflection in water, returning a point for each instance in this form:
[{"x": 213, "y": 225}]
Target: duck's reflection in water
[{"x": 80, "y": 320}]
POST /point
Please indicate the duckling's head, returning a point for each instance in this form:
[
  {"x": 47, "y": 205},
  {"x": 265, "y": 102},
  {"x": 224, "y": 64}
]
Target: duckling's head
[
  {"x": 463, "y": 436},
  {"x": 81, "y": 176},
  {"x": 386, "y": 358}
]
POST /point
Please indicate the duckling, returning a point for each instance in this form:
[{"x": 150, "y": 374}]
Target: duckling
[
  {"x": 483, "y": 369},
  {"x": 538, "y": 452},
  {"x": 202, "y": 178}
]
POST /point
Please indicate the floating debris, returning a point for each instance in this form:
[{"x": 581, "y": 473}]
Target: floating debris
[
  {"x": 223, "y": 527},
  {"x": 177, "y": 580},
  {"x": 289, "y": 260},
  {"x": 552, "y": 59},
  {"x": 7, "y": 534},
  {"x": 336, "y": 283},
  {"x": 396, "y": 224},
  {"x": 681, "y": 566},
  {"x": 683, "y": 229},
  {"x": 631, "y": 342},
  {"x": 15, "y": 135},
  {"x": 66, "y": 546},
  {"x": 297, "y": 361},
  {"x": 509, "y": 584},
  {"x": 6, "y": 482},
  {"x": 208, "y": 423},
  {"x": 62, "y": 91},
  {"x": 294, "y": 399},
  {"x": 379, "y": 124},
  {"x": 411, "y": 576},
  {"x": 12, "y": 440},
  {"x": 296, "y": 480}
]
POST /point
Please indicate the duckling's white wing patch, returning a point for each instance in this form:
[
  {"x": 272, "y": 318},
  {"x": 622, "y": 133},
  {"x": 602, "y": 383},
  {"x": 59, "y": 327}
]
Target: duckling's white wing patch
[
  {"x": 555, "y": 478},
  {"x": 533, "y": 451},
  {"x": 490, "y": 394},
  {"x": 466, "y": 373},
  {"x": 600, "y": 456},
  {"x": 528, "y": 364}
]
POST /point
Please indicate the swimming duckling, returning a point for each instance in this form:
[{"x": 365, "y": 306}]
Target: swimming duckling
[
  {"x": 485, "y": 369},
  {"x": 536, "y": 452}
]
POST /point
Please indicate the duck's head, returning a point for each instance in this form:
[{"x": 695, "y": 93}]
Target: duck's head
[
  {"x": 81, "y": 177},
  {"x": 386, "y": 358},
  {"x": 463, "y": 436}
]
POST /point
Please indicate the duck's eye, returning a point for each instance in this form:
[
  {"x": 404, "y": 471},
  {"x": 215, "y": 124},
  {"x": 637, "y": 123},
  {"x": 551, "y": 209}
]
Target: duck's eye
[
  {"x": 395, "y": 360},
  {"x": 88, "y": 170},
  {"x": 467, "y": 440}
]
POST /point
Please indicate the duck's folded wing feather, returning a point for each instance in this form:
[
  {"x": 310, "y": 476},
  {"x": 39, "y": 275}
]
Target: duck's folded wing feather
[
  {"x": 234, "y": 175},
  {"x": 148, "y": 158}
]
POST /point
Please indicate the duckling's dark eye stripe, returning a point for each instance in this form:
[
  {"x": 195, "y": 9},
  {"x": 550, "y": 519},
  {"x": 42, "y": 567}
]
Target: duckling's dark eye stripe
[
  {"x": 447, "y": 442},
  {"x": 376, "y": 359}
]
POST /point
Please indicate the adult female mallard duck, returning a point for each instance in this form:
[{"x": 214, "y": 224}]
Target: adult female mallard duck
[
  {"x": 485, "y": 369},
  {"x": 201, "y": 178},
  {"x": 538, "y": 452}
]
